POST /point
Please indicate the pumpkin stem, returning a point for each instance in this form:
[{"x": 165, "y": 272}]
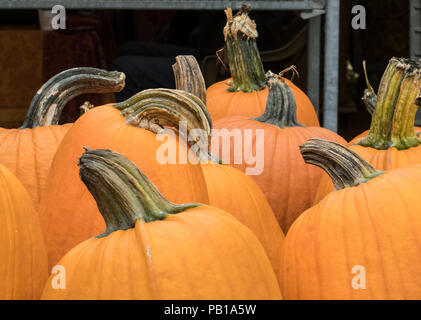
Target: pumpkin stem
[
  {"x": 122, "y": 192},
  {"x": 345, "y": 167},
  {"x": 154, "y": 109},
  {"x": 392, "y": 124},
  {"x": 244, "y": 59},
  {"x": 281, "y": 109},
  {"x": 49, "y": 101},
  {"x": 189, "y": 78},
  {"x": 369, "y": 98}
]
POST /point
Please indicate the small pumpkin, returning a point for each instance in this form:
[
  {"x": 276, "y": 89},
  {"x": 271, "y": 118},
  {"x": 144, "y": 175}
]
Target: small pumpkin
[
  {"x": 68, "y": 213},
  {"x": 23, "y": 267},
  {"x": 230, "y": 189},
  {"x": 275, "y": 137},
  {"x": 392, "y": 141},
  {"x": 28, "y": 151},
  {"x": 246, "y": 93},
  {"x": 361, "y": 241},
  {"x": 154, "y": 249}
]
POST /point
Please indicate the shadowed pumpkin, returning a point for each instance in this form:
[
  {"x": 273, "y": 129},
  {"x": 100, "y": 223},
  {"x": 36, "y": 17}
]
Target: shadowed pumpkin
[{"x": 23, "y": 258}]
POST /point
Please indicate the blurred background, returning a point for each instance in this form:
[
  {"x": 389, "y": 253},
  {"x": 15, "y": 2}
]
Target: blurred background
[{"x": 143, "y": 43}]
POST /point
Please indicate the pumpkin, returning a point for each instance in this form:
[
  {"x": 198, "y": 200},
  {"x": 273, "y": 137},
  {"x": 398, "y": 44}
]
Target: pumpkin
[
  {"x": 23, "y": 267},
  {"x": 154, "y": 249},
  {"x": 274, "y": 138},
  {"x": 246, "y": 93},
  {"x": 68, "y": 213},
  {"x": 392, "y": 141},
  {"x": 28, "y": 151},
  {"x": 361, "y": 241},
  {"x": 228, "y": 188}
]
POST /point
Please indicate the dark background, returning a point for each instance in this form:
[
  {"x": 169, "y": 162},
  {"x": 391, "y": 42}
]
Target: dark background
[{"x": 95, "y": 38}]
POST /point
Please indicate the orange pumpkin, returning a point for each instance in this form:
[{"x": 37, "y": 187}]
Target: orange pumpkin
[
  {"x": 23, "y": 267},
  {"x": 246, "y": 93},
  {"x": 154, "y": 249},
  {"x": 231, "y": 190},
  {"x": 274, "y": 138},
  {"x": 28, "y": 151},
  {"x": 68, "y": 213},
  {"x": 392, "y": 141},
  {"x": 361, "y": 241}
]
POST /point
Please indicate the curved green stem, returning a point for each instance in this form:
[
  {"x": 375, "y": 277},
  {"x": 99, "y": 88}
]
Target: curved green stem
[
  {"x": 281, "y": 109},
  {"x": 122, "y": 192},
  {"x": 49, "y": 101},
  {"x": 345, "y": 167},
  {"x": 244, "y": 59},
  {"x": 154, "y": 109},
  {"x": 392, "y": 124}
]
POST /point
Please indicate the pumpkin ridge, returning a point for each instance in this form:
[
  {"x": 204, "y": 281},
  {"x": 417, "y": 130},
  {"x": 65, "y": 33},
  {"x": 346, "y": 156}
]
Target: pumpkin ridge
[
  {"x": 35, "y": 162},
  {"x": 141, "y": 232},
  {"x": 398, "y": 195}
]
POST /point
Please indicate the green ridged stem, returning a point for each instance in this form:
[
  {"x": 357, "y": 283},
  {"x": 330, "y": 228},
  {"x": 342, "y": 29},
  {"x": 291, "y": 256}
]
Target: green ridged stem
[
  {"x": 244, "y": 58},
  {"x": 346, "y": 168},
  {"x": 154, "y": 109},
  {"x": 281, "y": 108},
  {"x": 392, "y": 124},
  {"x": 122, "y": 192}
]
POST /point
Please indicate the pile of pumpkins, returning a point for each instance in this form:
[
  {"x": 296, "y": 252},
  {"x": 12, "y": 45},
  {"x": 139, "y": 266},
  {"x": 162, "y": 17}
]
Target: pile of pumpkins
[{"x": 89, "y": 212}]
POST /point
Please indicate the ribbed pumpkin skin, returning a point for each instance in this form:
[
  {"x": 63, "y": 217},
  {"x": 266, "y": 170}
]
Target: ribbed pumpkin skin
[
  {"x": 68, "y": 212},
  {"x": 23, "y": 258},
  {"x": 201, "y": 253},
  {"x": 28, "y": 154},
  {"x": 288, "y": 183},
  {"x": 376, "y": 225},
  {"x": 233, "y": 191},
  {"x": 380, "y": 159},
  {"x": 222, "y": 103}
]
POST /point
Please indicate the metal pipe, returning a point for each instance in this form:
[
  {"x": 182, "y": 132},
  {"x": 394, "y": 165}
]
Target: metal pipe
[
  {"x": 331, "y": 67},
  {"x": 313, "y": 56}
]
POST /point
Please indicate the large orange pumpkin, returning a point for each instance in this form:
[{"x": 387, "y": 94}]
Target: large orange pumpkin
[
  {"x": 361, "y": 241},
  {"x": 233, "y": 191},
  {"x": 23, "y": 266},
  {"x": 273, "y": 140},
  {"x": 28, "y": 151},
  {"x": 154, "y": 249},
  {"x": 68, "y": 213},
  {"x": 392, "y": 141},
  {"x": 246, "y": 93}
]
